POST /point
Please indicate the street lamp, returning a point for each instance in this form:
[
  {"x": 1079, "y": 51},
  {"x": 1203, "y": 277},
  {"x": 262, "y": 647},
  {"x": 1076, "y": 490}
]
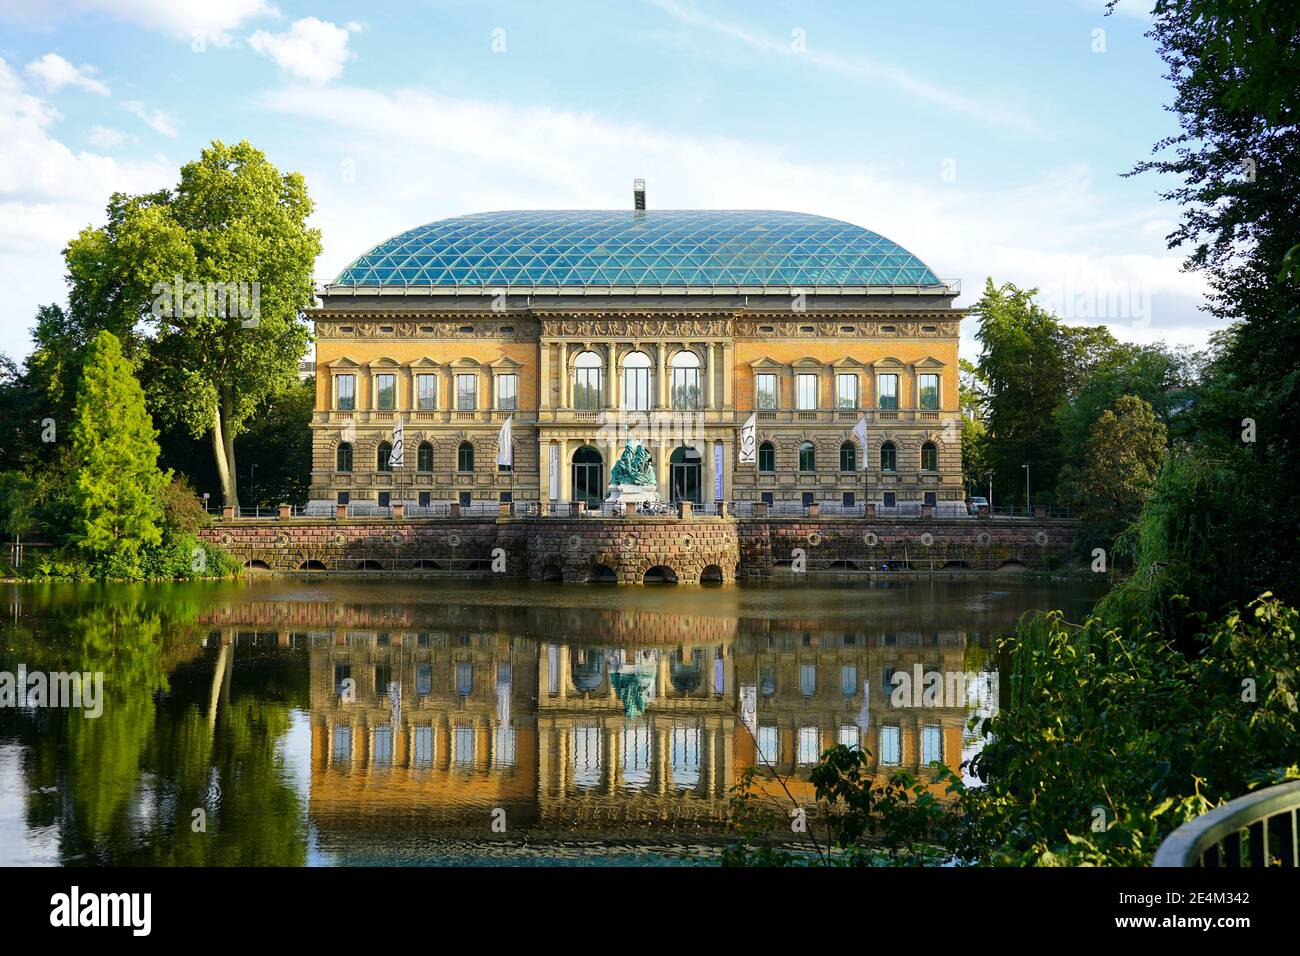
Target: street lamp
[{"x": 1028, "y": 507}]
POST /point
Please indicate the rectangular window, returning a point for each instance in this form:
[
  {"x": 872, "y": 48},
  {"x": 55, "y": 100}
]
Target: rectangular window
[
  {"x": 891, "y": 746},
  {"x": 464, "y": 677},
  {"x": 769, "y": 745},
  {"x": 848, "y": 679},
  {"x": 686, "y": 388},
  {"x": 381, "y": 754},
  {"x": 347, "y": 392},
  {"x": 507, "y": 392},
  {"x": 846, "y": 391},
  {"x": 385, "y": 392},
  {"x": 931, "y": 744},
  {"x": 765, "y": 391},
  {"x": 850, "y": 735},
  {"x": 928, "y": 392},
  {"x": 462, "y": 741},
  {"x": 807, "y": 392},
  {"x": 422, "y": 747},
  {"x": 342, "y": 744},
  {"x": 466, "y": 392},
  {"x": 426, "y": 390},
  {"x": 809, "y": 746},
  {"x": 636, "y": 389},
  {"x": 807, "y": 679},
  {"x": 887, "y": 385}
]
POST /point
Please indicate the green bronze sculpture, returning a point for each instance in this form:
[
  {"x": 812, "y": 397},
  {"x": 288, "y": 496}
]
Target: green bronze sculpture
[{"x": 634, "y": 467}]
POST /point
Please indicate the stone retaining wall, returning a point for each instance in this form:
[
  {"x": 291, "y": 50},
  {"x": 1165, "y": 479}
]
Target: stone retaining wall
[{"x": 639, "y": 549}]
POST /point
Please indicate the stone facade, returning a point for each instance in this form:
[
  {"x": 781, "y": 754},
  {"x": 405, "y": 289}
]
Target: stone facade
[{"x": 578, "y": 379}]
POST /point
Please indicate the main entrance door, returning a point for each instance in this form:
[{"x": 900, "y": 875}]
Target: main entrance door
[
  {"x": 588, "y": 477},
  {"x": 684, "y": 478}
]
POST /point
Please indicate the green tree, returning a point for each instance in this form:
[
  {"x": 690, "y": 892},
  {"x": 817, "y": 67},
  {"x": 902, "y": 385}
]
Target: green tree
[
  {"x": 218, "y": 271},
  {"x": 974, "y": 432},
  {"x": 116, "y": 486},
  {"x": 1029, "y": 366},
  {"x": 278, "y": 442},
  {"x": 1121, "y": 461}
]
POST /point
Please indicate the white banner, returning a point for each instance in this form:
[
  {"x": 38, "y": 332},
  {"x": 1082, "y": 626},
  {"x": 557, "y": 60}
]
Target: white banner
[
  {"x": 398, "y": 456},
  {"x": 717, "y": 471},
  {"x": 555, "y": 472},
  {"x": 506, "y": 443},
  {"x": 748, "y": 444},
  {"x": 860, "y": 433}
]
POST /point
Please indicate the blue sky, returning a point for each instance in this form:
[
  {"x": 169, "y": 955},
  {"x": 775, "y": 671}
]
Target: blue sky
[{"x": 988, "y": 138}]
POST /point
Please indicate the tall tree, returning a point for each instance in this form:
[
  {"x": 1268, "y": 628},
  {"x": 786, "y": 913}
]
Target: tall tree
[
  {"x": 117, "y": 487},
  {"x": 215, "y": 273},
  {"x": 1122, "y": 457}
]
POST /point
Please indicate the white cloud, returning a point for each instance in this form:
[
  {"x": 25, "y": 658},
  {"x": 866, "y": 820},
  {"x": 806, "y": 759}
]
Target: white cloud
[
  {"x": 48, "y": 193},
  {"x": 156, "y": 120},
  {"x": 106, "y": 137},
  {"x": 313, "y": 50},
  {"x": 391, "y": 169},
  {"x": 859, "y": 67},
  {"x": 56, "y": 73},
  {"x": 209, "y": 20}
]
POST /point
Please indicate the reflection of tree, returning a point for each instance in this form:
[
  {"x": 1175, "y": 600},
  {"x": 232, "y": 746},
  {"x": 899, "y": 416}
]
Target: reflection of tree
[{"x": 121, "y": 788}]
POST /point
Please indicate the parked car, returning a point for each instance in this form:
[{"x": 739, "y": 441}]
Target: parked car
[{"x": 977, "y": 503}]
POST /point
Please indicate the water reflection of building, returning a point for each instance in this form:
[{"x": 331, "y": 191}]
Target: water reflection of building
[{"x": 437, "y": 729}]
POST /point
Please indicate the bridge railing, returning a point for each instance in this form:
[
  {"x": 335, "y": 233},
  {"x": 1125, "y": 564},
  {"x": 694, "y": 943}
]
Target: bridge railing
[{"x": 1256, "y": 830}]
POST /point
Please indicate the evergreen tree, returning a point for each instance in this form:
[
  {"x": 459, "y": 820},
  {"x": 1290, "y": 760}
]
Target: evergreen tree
[{"x": 116, "y": 493}]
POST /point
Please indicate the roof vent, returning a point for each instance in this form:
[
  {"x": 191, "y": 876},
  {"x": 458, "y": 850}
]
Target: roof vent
[{"x": 638, "y": 195}]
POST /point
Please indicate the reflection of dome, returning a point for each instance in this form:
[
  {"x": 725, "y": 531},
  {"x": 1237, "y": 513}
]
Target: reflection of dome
[
  {"x": 586, "y": 672},
  {"x": 632, "y": 687}
]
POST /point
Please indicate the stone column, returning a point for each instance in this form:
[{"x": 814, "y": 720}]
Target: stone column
[
  {"x": 611, "y": 377},
  {"x": 661, "y": 393},
  {"x": 728, "y": 372},
  {"x": 710, "y": 378},
  {"x": 564, "y": 375},
  {"x": 544, "y": 377},
  {"x": 566, "y": 473}
]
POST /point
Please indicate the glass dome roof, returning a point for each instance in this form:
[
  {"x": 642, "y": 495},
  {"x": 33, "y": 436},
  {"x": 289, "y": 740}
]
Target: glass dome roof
[{"x": 662, "y": 248}]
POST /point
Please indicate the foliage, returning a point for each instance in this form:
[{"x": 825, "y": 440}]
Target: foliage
[
  {"x": 233, "y": 221},
  {"x": 1121, "y": 460},
  {"x": 278, "y": 443},
  {"x": 896, "y": 821},
  {"x": 1114, "y": 738},
  {"x": 117, "y": 484},
  {"x": 1030, "y": 365}
]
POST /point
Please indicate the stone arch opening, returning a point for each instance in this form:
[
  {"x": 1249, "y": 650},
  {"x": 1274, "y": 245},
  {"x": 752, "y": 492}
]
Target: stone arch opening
[
  {"x": 660, "y": 574},
  {"x": 1012, "y": 565},
  {"x": 369, "y": 564},
  {"x": 843, "y": 564},
  {"x": 427, "y": 564},
  {"x": 255, "y": 565},
  {"x": 312, "y": 565},
  {"x": 602, "y": 574},
  {"x": 588, "y": 476},
  {"x": 712, "y": 574},
  {"x": 552, "y": 571}
]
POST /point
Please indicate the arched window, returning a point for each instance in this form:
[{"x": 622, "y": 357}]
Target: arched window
[
  {"x": 888, "y": 457},
  {"x": 424, "y": 457},
  {"x": 343, "y": 457},
  {"x": 766, "y": 457},
  {"x": 807, "y": 457},
  {"x": 686, "y": 380},
  {"x": 587, "y": 374},
  {"x": 383, "y": 457},
  {"x": 929, "y": 457},
  {"x": 848, "y": 456},
  {"x": 636, "y": 382},
  {"x": 465, "y": 457}
]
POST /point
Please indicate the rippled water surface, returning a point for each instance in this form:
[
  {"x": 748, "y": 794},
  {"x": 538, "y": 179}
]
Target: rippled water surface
[{"x": 334, "y": 722}]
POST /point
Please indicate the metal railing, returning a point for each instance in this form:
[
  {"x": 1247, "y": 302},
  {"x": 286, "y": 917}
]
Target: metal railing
[{"x": 1256, "y": 830}]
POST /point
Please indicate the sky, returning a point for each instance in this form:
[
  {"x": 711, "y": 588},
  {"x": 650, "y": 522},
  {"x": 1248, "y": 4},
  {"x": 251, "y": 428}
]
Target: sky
[{"x": 987, "y": 138}]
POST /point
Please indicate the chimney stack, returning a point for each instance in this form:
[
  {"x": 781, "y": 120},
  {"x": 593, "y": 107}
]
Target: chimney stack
[{"x": 638, "y": 195}]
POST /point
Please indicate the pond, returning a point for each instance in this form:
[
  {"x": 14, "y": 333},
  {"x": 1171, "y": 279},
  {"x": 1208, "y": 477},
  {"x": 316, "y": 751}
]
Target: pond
[{"x": 334, "y": 722}]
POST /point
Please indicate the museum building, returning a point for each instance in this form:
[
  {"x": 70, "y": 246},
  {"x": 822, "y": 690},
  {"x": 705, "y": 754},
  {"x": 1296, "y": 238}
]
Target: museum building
[{"x": 590, "y": 329}]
